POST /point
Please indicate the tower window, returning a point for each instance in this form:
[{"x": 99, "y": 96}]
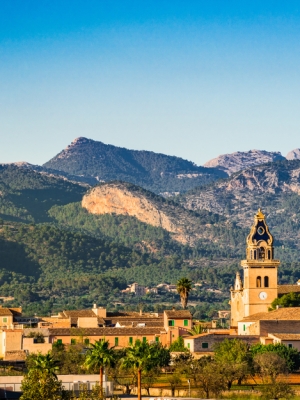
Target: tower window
[
  {"x": 269, "y": 254},
  {"x": 258, "y": 281},
  {"x": 254, "y": 254},
  {"x": 266, "y": 281},
  {"x": 262, "y": 253}
]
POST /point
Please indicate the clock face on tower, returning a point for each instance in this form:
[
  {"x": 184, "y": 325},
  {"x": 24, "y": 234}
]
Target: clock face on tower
[{"x": 263, "y": 295}]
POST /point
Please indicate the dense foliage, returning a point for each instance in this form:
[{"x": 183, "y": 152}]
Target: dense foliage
[
  {"x": 153, "y": 171},
  {"x": 27, "y": 195}
]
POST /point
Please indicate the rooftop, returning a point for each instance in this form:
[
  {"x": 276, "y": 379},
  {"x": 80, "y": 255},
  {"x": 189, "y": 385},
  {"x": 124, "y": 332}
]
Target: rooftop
[
  {"x": 286, "y": 336},
  {"x": 5, "y": 311},
  {"x": 285, "y": 289},
  {"x": 106, "y": 331},
  {"x": 284, "y": 314},
  {"x": 178, "y": 314}
]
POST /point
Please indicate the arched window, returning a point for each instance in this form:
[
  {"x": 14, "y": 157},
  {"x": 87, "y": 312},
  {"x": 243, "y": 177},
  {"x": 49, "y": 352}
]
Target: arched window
[
  {"x": 269, "y": 254},
  {"x": 266, "y": 281},
  {"x": 258, "y": 281},
  {"x": 262, "y": 253},
  {"x": 254, "y": 254}
]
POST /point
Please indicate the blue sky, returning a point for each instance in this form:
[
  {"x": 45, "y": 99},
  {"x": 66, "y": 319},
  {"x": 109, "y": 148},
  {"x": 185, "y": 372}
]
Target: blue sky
[{"x": 189, "y": 78}]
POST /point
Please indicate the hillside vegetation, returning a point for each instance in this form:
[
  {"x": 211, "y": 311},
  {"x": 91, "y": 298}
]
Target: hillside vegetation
[
  {"x": 153, "y": 171},
  {"x": 273, "y": 187},
  {"x": 27, "y": 195}
]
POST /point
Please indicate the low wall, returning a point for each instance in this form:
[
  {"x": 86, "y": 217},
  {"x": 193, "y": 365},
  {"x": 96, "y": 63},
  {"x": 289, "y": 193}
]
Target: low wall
[{"x": 70, "y": 382}]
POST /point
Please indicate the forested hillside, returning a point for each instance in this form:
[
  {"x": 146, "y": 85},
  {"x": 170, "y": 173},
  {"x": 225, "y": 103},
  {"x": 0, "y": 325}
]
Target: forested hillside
[
  {"x": 153, "y": 171},
  {"x": 27, "y": 195},
  {"x": 55, "y": 254}
]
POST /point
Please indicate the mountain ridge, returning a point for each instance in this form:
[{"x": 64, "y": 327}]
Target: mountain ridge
[{"x": 153, "y": 171}]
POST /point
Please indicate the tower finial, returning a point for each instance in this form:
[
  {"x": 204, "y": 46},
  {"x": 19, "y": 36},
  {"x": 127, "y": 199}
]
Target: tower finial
[{"x": 259, "y": 214}]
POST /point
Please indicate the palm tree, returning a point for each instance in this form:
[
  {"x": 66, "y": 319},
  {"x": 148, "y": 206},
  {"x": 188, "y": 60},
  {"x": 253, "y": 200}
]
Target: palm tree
[
  {"x": 44, "y": 363},
  {"x": 184, "y": 286},
  {"x": 100, "y": 356},
  {"x": 141, "y": 356},
  {"x": 197, "y": 330}
]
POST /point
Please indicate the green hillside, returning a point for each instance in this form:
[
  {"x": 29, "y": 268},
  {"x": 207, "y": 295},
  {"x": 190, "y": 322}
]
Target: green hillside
[
  {"x": 27, "y": 195},
  {"x": 153, "y": 171}
]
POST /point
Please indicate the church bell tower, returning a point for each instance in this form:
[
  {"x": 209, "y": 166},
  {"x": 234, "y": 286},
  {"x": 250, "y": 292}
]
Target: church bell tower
[{"x": 260, "y": 274}]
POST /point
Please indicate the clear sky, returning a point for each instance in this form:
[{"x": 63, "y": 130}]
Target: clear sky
[{"x": 190, "y": 78}]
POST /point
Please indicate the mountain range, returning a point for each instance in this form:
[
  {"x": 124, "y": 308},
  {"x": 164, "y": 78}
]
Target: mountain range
[{"x": 108, "y": 216}]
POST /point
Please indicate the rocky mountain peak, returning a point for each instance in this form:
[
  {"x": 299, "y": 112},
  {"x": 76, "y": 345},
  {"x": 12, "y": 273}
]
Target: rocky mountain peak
[
  {"x": 240, "y": 160},
  {"x": 293, "y": 155}
]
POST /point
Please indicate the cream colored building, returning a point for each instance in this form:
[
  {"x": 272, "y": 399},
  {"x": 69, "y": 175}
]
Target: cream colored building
[{"x": 259, "y": 287}]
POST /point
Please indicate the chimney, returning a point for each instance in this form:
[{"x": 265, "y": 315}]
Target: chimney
[{"x": 94, "y": 305}]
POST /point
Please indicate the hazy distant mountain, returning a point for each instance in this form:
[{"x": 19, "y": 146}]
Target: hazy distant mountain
[
  {"x": 238, "y": 161},
  {"x": 153, "y": 171},
  {"x": 275, "y": 187},
  {"x": 293, "y": 155}
]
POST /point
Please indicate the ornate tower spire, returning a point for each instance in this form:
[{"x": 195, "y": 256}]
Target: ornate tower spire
[
  {"x": 238, "y": 285},
  {"x": 260, "y": 240}
]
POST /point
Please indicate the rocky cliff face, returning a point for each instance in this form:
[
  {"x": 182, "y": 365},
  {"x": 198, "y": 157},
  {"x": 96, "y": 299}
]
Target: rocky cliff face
[
  {"x": 268, "y": 186},
  {"x": 119, "y": 199},
  {"x": 238, "y": 161},
  {"x": 293, "y": 155},
  {"x": 127, "y": 199}
]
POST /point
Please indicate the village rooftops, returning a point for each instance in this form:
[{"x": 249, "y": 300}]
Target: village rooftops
[
  {"x": 285, "y": 289},
  {"x": 178, "y": 314},
  {"x": 286, "y": 336},
  {"x": 105, "y": 331},
  {"x": 286, "y": 314},
  {"x": 78, "y": 314},
  {"x": 5, "y": 311}
]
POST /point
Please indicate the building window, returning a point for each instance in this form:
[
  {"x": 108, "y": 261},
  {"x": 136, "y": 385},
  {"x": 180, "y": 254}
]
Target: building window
[
  {"x": 157, "y": 339},
  {"x": 204, "y": 345},
  {"x": 269, "y": 254},
  {"x": 258, "y": 281},
  {"x": 186, "y": 322},
  {"x": 131, "y": 340},
  {"x": 188, "y": 345},
  {"x": 144, "y": 339},
  {"x": 59, "y": 341},
  {"x": 4, "y": 319},
  {"x": 116, "y": 341},
  {"x": 73, "y": 341},
  {"x": 171, "y": 322},
  {"x": 262, "y": 253},
  {"x": 290, "y": 346},
  {"x": 254, "y": 254},
  {"x": 244, "y": 327},
  {"x": 86, "y": 341},
  {"x": 266, "y": 281}
]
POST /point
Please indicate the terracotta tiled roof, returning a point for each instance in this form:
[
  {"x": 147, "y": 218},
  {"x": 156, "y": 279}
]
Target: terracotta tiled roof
[
  {"x": 5, "y": 311},
  {"x": 286, "y": 336},
  {"x": 178, "y": 314},
  {"x": 284, "y": 289},
  {"x": 285, "y": 314},
  {"x": 79, "y": 313},
  {"x": 15, "y": 355},
  {"x": 134, "y": 321},
  {"x": 132, "y": 314},
  {"x": 147, "y": 323},
  {"x": 105, "y": 331}
]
